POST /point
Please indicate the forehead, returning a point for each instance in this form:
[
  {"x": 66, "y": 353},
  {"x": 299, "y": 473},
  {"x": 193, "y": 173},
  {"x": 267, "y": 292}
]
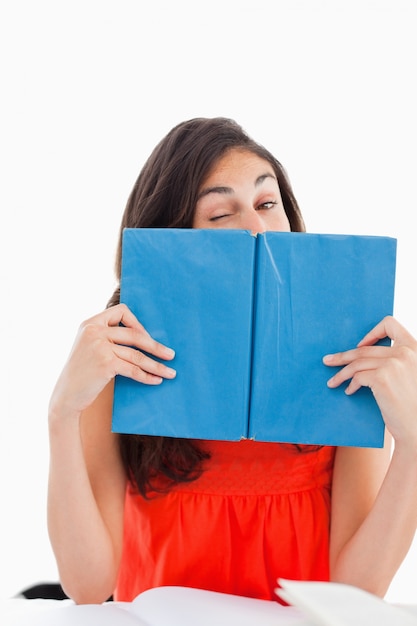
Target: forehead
[{"x": 236, "y": 164}]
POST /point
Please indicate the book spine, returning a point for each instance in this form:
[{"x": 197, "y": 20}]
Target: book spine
[{"x": 252, "y": 328}]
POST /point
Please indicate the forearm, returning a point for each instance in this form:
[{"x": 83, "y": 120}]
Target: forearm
[
  {"x": 86, "y": 557},
  {"x": 374, "y": 553}
]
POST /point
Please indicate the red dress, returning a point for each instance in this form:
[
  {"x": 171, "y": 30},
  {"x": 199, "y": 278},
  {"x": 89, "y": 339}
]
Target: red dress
[{"x": 258, "y": 512}]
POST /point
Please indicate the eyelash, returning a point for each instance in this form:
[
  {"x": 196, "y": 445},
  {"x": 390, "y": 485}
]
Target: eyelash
[
  {"x": 263, "y": 205},
  {"x": 218, "y": 217},
  {"x": 271, "y": 202}
]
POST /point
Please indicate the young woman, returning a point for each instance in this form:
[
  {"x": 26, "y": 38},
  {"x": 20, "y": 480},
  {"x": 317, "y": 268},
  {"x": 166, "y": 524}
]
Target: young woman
[{"x": 127, "y": 513}]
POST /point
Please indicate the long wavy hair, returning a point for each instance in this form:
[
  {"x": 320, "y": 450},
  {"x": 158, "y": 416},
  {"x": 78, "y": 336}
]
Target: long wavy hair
[{"x": 165, "y": 196}]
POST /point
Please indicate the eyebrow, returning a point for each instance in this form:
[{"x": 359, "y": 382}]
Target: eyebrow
[{"x": 229, "y": 190}]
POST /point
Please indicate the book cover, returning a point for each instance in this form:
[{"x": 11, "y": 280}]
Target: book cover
[
  {"x": 338, "y": 604},
  {"x": 250, "y": 318}
]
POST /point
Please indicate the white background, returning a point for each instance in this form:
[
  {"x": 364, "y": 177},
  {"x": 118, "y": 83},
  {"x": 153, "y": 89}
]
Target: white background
[{"x": 88, "y": 87}]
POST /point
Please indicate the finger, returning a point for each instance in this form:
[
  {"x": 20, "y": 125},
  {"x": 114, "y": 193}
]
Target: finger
[
  {"x": 344, "y": 358},
  {"x": 388, "y": 327},
  {"x": 350, "y": 371},
  {"x": 139, "y": 366},
  {"x": 139, "y": 339},
  {"x": 364, "y": 378},
  {"x": 115, "y": 315}
]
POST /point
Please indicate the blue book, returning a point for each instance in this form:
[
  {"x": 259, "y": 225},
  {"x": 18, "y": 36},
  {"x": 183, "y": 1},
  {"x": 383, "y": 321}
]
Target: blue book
[{"x": 250, "y": 319}]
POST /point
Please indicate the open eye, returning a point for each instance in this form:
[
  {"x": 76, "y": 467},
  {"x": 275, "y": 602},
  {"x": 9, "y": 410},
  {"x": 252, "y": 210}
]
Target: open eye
[{"x": 266, "y": 205}]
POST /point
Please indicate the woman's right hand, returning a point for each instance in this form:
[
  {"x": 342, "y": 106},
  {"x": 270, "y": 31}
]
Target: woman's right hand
[{"x": 102, "y": 349}]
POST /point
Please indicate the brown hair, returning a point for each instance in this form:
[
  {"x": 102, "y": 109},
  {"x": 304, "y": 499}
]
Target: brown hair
[{"x": 165, "y": 196}]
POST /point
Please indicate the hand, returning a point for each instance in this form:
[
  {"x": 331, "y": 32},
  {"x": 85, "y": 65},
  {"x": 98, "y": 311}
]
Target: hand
[
  {"x": 103, "y": 349},
  {"x": 389, "y": 371}
]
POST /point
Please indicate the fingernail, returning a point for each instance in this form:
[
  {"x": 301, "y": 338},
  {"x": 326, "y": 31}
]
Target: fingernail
[
  {"x": 170, "y": 372},
  {"x": 330, "y": 382},
  {"x": 170, "y": 352},
  {"x": 328, "y": 358}
]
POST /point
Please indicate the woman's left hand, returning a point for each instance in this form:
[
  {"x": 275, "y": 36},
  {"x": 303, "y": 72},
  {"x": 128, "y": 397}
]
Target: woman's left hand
[{"x": 389, "y": 371}]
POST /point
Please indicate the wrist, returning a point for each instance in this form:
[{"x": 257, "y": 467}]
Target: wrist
[{"x": 60, "y": 414}]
